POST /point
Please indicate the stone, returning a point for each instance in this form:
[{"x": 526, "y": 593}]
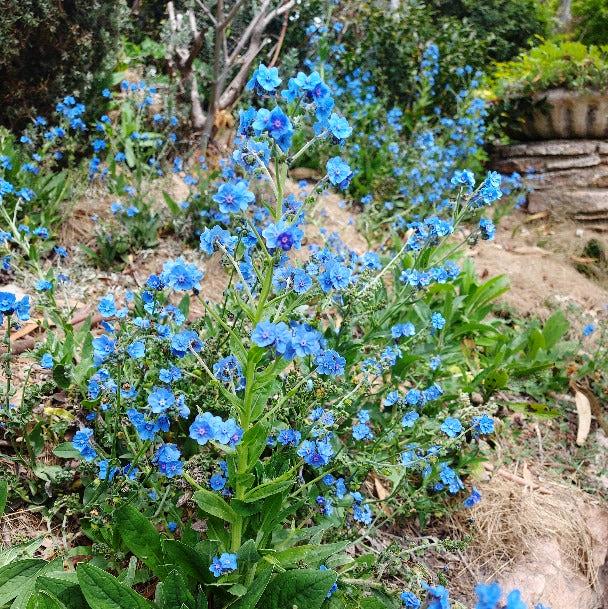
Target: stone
[
  {"x": 572, "y": 162},
  {"x": 569, "y": 202},
  {"x": 549, "y": 148}
]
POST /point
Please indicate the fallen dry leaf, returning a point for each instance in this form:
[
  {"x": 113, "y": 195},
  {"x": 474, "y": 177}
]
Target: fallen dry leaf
[{"x": 583, "y": 409}]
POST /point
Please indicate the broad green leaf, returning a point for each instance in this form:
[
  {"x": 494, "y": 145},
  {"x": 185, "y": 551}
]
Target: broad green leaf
[
  {"x": 306, "y": 588},
  {"x": 175, "y": 592},
  {"x": 140, "y": 537},
  {"x": 190, "y": 562},
  {"x": 215, "y": 505},
  {"x": 16, "y": 576},
  {"x": 66, "y": 450},
  {"x": 64, "y": 587},
  {"x": 28, "y": 588},
  {"x": 171, "y": 204},
  {"x": 250, "y": 599},
  {"x": 267, "y": 489},
  {"x": 555, "y": 327},
  {"x": 44, "y": 600},
  {"x": 103, "y": 591},
  {"x": 311, "y": 554}
]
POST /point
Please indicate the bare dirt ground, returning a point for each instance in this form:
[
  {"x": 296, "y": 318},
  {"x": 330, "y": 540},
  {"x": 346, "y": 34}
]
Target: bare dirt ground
[{"x": 539, "y": 259}]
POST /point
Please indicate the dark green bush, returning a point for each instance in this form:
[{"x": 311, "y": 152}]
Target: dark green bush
[
  {"x": 50, "y": 48},
  {"x": 591, "y": 21},
  {"x": 505, "y": 26}
]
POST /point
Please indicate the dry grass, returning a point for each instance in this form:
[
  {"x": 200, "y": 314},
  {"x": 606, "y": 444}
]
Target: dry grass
[{"x": 514, "y": 521}]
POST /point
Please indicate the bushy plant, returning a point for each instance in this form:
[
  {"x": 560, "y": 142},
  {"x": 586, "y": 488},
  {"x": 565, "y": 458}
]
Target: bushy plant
[
  {"x": 551, "y": 65},
  {"x": 50, "y": 48},
  {"x": 129, "y": 152},
  {"x": 314, "y": 377},
  {"x": 506, "y": 26},
  {"x": 590, "y": 17}
]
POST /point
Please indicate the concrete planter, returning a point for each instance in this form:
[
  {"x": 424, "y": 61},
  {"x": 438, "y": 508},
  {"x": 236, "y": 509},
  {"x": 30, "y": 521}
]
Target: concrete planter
[{"x": 561, "y": 114}]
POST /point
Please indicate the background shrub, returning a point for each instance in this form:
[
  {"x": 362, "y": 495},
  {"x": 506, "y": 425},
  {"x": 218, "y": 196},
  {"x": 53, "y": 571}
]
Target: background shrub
[
  {"x": 591, "y": 21},
  {"x": 505, "y": 26},
  {"x": 50, "y": 48}
]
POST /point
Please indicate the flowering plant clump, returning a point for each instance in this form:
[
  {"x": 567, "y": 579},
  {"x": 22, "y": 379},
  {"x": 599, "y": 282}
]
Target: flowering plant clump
[
  {"x": 320, "y": 371},
  {"x": 129, "y": 150}
]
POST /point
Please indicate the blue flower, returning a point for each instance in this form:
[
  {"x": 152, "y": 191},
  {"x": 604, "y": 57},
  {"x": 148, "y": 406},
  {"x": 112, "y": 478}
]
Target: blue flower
[
  {"x": 588, "y": 330},
  {"x": 185, "y": 341},
  {"x": 488, "y": 596},
  {"x": 330, "y": 362},
  {"x": 217, "y": 482},
  {"x": 137, "y": 349},
  {"x": 437, "y": 321},
  {"x": 181, "y": 276},
  {"x": 289, "y": 437},
  {"x": 103, "y": 347},
  {"x": 43, "y": 285},
  {"x": 212, "y": 238},
  {"x": 487, "y": 229},
  {"x": 316, "y": 453},
  {"x": 464, "y": 178},
  {"x": 160, "y": 400},
  {"x": 46, "y": 361},
  {"x": 338, "y": 172},
  {"x": 264, "y": 79},
  {"x": 409, "y": 419},
  {"x": 229, "y": 370},
  {"x": 362, "y": 432},
  {"x": 282, "y": 236},
  {"x": 451, "y": 427},
  {"x": 233, "y": 197},
  {"x": 203, "y": 428},
  {"x": 410, "y": 600},
  {"x": 403, "y": 330},
  {"x": 167, "y": 457},
  {"x": 472, "y": 499},
  {"x": 483, "y": 424},
  {"x": 225, "y": 563},
  {"x": 146, "y": 429},
  {"x": 338, "y": 127},
  {"x": 82, "y": 443}
]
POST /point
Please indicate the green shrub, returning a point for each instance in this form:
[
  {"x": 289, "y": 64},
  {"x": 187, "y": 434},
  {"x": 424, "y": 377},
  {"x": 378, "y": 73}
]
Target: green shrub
[
  {"x": 568, "y": 65},
  {"x": 506, "y": 26},
  {"x": 591, "y": 21},
  {"x": 48, "y": 49}
]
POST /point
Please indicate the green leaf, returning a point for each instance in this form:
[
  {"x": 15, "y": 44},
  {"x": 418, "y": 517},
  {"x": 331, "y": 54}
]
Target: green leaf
[
  {"x": 62, "y": 376},
  {"x": 15, "y": 576},
  {"x": 66, "y": 450},
  {"x": 175, "y": 592},
  {"x": 103, "y": 591},
  {"x": 255, "y": 440},
  {"x": 555, "y": 327},
  {"x": 3, "y": 495},
  {"x": 248, "y": 554},
  {"x": 44, "y": 600},
  {"x": 171, "y": 204},
  {"x": 311, "y": 554},
  {"x": 140, "y": 537},
  {"x": 130, "y": 154},
  {"x": 267, "y": 489},
  {"x": 250, "y": 599},
  {"x": 213, "y": 504},
  {"x": 306, "y": 588},
  {"x": 28, "y": 588},
  {"x": 64, "y": 587},
  {"x": 192, "y": 563}
]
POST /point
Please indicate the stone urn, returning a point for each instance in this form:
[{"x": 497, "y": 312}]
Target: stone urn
[{"x": 560, "y": 114}]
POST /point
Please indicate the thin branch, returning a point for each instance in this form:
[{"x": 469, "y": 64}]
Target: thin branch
[
  {"x": 231, "y": 14},
  {"x": 207, "y": 12},
  {"x": 279, "y": 45}
]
